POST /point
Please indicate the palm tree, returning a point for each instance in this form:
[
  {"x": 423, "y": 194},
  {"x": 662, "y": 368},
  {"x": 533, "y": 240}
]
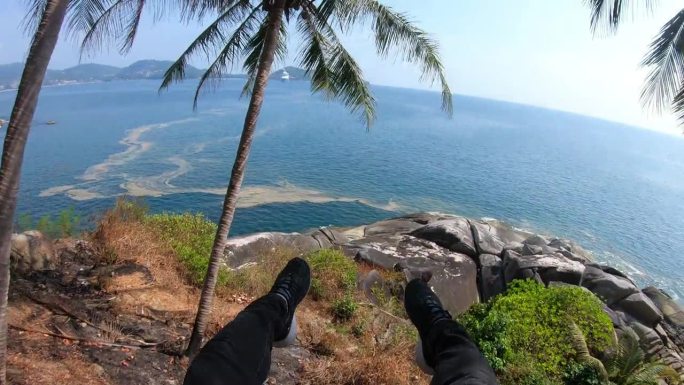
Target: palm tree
[
  {"x": 256, "y": 33},
  {"x": 664, "y": 87},
  {"x": 42, "y": 46},
  {"x": 625, "y": 365}
]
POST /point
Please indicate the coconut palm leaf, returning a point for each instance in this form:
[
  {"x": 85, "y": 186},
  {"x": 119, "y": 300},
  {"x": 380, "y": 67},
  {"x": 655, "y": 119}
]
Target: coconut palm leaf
[
  {"x": 606, "y": 15},
  {"x": 253, "y": 50},
  {"x": 666, "y": 58},
  {"x": 213, "y": 37},
  {"x": 333, "y": 70},
  {"x": 579, "y": 343},
  {"x": 393, "y": 30}
]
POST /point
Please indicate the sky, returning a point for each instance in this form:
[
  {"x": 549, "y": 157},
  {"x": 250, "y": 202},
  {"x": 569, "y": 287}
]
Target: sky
[{"x": 537, "y": 52}]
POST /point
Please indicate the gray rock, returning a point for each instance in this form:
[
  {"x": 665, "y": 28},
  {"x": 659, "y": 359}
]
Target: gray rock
[
  {"x": 454, "y": 275},
  {"x": 532, "y": 250},
  {"x": 492, "y": 282},
  {"x": 245, "y": 250},
  {"x": 514, "y": 246},
  {"x": 31, "y": 251},
  {"x": 550, "y": 267},
  {"x": 672, "y": 311},
  {"x": 639, "y": 306},
  {"x": 453, "y": 234},
  {"x": 335, "y": 237},
  {"x": 425, "y": 218},
  {"x": 485, "y": 238},
  {"x": 392, "y": 226},
  {"x": 610, "y": 288},
  {"x": 536, "y": 240}
]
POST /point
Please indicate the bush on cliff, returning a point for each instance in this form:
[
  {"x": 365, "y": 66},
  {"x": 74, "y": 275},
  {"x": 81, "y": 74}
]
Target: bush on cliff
[{"x": 524, "y": 333}]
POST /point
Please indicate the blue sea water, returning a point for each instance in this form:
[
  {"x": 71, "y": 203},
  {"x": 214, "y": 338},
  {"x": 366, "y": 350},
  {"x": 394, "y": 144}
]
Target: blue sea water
[{"x": 617, "y": 190}]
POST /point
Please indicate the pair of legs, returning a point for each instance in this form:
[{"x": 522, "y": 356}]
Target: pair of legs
[{"x": 241, "y": 352}]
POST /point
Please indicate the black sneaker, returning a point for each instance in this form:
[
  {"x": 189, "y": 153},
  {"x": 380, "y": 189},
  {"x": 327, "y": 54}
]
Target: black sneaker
[
  {"x": 425, "y": 310},
  {"x": 292, "y": 284}
]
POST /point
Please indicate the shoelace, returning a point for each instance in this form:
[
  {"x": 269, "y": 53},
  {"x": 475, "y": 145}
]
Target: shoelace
[
  {"x": 437, "y": 313},
  {"x": 284, "y": 288}
]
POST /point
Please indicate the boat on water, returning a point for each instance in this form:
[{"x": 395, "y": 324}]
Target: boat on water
[
  {"x": 285, "y": 76},
  {"x": 2, "y": 123},
  {"x": 50, "y": 122}
]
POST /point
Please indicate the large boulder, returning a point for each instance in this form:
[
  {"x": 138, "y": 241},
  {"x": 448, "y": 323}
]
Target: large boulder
[
  {"x": 673, "y": 312},
  {"x": 610, "y": 288},
  {"x": 492, "y": 280},
  {"x": 31, "y": 251},
  {"x": 246, "y": 250},
  {"x": 454, "y": 234},
  {"x": 639, "y": 306},
  {"x": 486, "y": 240},
  {"x": 549, "y": 267},
  {"x": 392, "y": 226},
  {"x": 454, "y": 275}
]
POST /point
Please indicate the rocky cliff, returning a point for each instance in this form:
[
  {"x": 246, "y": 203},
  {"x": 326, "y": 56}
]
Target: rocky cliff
[{"x": 473, "y": 260}]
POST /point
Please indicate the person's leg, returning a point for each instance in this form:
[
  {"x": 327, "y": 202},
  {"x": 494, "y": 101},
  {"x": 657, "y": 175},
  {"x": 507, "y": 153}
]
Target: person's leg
[
  {"x": 446, "y": 347},
  {"x": 241, "y": 352}
]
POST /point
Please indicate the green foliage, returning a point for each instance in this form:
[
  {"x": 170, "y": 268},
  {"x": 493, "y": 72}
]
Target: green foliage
[
  {"x": 582, "y": 374},
  {"x": 530, "y": 324},
  {"x": 333, "y": 275},
  {"x": 489, "y": 330},
  {"x": 191, "y": 237},
  {"x": 66, "y": 224},
  {"x": 627, "y": 365},
  {"x": 343, "y": 309}
]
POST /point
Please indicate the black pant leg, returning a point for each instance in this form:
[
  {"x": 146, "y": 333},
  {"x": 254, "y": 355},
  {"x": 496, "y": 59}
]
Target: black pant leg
[
  {"x": 240, "y": 353},
  {"x": 458, "y": 361}
]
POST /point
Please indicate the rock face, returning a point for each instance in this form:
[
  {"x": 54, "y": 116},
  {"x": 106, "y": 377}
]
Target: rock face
[
  {"x": 31, "y": 251},
  {"x": 472, "y": 260}
]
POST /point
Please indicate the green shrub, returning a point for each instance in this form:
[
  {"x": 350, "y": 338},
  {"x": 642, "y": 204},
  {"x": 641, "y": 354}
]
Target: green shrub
[
  {"x": 581, "y": 374},
  {"x": 191, "y": 237},
  {"x": 343, "y": 309},
  {"x": 333, "y": 275},
  {"x": 530, "y": 324},
  {"x": 66, "y": 224},
  {"x": 489, "y": 330}
]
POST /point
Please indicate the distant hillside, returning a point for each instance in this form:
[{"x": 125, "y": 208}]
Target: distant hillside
[
  {"x": 295, "y": 73},
  {"x": 143, "y": 69},
  {"x": 10, "y": 74}
]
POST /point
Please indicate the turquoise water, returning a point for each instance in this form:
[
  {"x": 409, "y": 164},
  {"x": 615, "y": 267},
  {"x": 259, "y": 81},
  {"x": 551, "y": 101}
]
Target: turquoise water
[{"x": 617, "y": 190}]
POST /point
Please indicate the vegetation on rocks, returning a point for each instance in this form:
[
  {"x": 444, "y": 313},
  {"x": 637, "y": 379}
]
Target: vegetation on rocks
[{"x": 525, "y": 333}]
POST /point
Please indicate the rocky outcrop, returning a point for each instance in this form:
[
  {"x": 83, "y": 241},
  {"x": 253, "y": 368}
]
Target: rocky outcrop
[
  {"x": 473, "y": 260},
  {"x": 31, "y": 251}
]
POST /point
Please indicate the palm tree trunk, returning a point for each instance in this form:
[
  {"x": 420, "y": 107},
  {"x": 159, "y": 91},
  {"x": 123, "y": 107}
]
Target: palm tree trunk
[
  {"x": 42, "y": 46},
  {"x": 275, "y": 15}
]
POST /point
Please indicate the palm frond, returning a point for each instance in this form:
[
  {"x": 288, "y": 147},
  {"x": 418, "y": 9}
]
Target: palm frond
[
  {"x": 198, "y": 9},
  {"x": 606, "y": 15},
  {"x": 666, "y": 57},
  {"x": 120, "y": 21},
  {"x": 393, "y": 30},
  {"x": 230, "y": 53},
  {"x": 579, "y": 343},
  {"x": 253, "y": 49},
  {"x": 650, "y": 373},
  {"x": 333, "y": 70},
  {"x": 30, "y": 22},
  {"x": 83, "y": 13},
  {"x": 209, "y": 40}
]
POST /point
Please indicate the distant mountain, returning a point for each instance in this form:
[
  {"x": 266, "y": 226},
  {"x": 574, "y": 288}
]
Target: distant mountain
[
  {"x": 295, "y": 73},
  {"x": 10, "y": 74}
]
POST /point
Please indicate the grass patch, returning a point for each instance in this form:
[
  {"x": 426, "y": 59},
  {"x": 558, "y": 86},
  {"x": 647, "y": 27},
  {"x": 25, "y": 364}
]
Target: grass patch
[
  {"x": 191, "y": 237},
  {"x": 333, "y": 275}
]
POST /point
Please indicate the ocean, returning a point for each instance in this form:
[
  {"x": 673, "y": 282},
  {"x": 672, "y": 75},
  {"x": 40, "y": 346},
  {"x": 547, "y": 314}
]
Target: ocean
[{"x": 616, "y": 189}]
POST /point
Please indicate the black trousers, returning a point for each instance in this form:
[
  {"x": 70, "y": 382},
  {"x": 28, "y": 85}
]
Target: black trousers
[{"x": 240, "y": 354}]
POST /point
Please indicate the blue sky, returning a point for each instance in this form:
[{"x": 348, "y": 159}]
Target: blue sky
[{"x": 538, "y": 52}]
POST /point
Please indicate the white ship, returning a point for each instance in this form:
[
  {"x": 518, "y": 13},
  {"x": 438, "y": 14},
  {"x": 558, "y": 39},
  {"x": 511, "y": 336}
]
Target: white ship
[{"x": 285, "y": 76}]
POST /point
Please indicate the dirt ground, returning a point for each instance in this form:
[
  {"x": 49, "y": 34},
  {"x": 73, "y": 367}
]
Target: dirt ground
[{"x": 93, "y": 322}]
